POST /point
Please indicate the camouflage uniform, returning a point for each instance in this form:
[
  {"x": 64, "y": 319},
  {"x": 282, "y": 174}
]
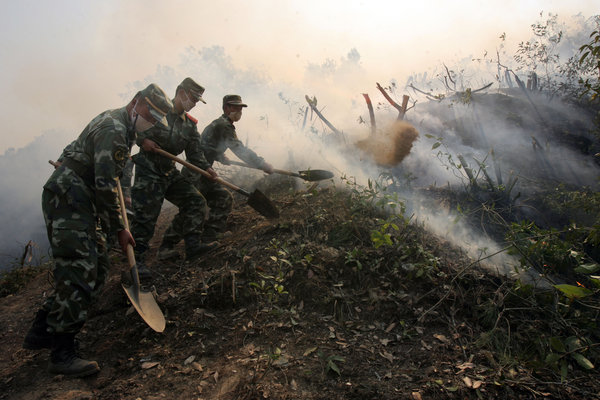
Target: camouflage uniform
[
  {"x": 216, "y": 138},
  {"x": 80, "y": 207},
  {"x": 157, "y": 178}
]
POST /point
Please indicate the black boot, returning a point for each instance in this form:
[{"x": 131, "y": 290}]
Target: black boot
[
  {"x": 38, "y": 336},
  {"x": 167, "y": 251},
  {"x": 194, "y": 248},
  {"x": 144, "y": 272},
  {"x": 65, "y": 361}
]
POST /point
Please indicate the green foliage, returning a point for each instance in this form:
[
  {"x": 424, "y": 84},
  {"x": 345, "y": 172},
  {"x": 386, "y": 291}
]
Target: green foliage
[
  {"x": 269, "y": 286},
  {"x": 544, "y": 249},
  {"x": 329, "y": 362},
  {"x": 353, "y": 258},
  {"x": 590, "y": 60}
]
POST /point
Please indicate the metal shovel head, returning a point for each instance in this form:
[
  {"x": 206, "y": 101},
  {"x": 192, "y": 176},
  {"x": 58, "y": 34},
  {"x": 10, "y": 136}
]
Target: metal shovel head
[
  {"x": 312, "y": 175},
  {"x": 262, "y": 204},
  {"x": 145, "y": 304}
]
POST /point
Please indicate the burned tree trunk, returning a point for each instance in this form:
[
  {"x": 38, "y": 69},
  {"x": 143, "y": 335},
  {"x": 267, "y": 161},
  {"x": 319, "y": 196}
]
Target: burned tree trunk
[
  {"x": 401, "y": 109},
  {"x": 371, "y": 114}
]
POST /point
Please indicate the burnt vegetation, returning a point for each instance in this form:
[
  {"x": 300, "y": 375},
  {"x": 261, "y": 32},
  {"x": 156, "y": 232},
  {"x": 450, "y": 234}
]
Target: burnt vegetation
[{"x": 348, "y": 295}]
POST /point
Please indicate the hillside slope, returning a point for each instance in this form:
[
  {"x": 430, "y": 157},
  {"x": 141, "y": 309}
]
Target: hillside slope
[{"x": 303, "y": 307}]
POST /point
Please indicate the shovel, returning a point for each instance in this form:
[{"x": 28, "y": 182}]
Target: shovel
[
  {"x": 143, "y": 301},
  {"x": 256, "y": 199},
  {"x": 310, "y": 175}
]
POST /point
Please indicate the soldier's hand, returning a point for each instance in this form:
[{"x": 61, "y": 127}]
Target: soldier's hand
[
  {"x": 125, "y": 238},
  {"x": 149, "y": 145},
  {"x": 268, "y": 168},
  {"x": 128, "y": 202},
  {"x": 213, "y": 173},
  {"x": 55, "y": 164}
]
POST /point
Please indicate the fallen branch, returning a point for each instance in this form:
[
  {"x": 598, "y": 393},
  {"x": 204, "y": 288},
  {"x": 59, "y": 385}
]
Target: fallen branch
[{"x": 313, "y": 106}]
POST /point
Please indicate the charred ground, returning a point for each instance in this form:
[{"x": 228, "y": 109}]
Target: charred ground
[{"x": 306, "y": 307}]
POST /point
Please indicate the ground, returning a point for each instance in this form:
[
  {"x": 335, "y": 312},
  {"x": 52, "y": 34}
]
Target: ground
[{"x": 302, "y": 307}]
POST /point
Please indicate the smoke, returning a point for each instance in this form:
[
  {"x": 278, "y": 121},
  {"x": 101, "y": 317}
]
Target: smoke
[
  {"x": 24, "y": 172},
  {"x": 497, "y": 131}
]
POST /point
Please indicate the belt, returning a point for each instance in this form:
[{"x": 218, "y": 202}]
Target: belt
[{"x": 85, "y": 172}]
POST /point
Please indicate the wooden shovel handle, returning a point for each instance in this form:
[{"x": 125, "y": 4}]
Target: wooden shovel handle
[
  {"x": 277, "y": 171},
  {"x": 130, "y": 253},
  {"x": 200, "y": 171}
]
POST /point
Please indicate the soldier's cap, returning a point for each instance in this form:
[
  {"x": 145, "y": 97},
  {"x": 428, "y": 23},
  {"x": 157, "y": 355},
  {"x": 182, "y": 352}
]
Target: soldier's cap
[
  {"x": 193, "y": 89},
  {"x": 159, "y": 103},
  {"x": 234, "y": 100}
]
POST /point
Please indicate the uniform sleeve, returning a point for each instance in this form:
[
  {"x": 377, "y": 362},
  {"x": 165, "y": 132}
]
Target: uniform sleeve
[
  {"x": 127, "y": 177},
  {"x": 238, "y": 148},
  {"x": 110, "y": 155},
  {"x": 193, "y": 150}
]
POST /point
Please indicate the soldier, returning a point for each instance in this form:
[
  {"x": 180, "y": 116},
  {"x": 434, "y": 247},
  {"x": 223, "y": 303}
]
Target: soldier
[
  {"x": 81, "y": 207},
  {"x": 216, "y": 138},
  {"x": 157, "y": 178}
]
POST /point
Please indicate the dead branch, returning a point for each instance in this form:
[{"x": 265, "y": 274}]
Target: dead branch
[
  {"x": 27, "y": 253},
  {"x": 313, "y": 106},
  {"x": 371, "y": 114},
  {"x": 401, "y": 109},
  {"x": 428, "y": 95},
  {"x": 482, "y": 88}
]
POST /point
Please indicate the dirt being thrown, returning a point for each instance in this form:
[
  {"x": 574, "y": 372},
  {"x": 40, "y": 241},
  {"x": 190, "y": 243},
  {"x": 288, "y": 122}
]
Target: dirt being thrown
[{"x": 391, "y": 146}]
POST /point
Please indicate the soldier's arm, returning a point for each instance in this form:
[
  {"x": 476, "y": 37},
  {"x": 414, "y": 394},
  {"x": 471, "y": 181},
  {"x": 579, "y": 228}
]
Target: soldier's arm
[
  {"x": 110, "y": 155},
  {"x": 244, "y": 153},
  {"x": 193, "y": 150},
  {"x": 126, "y": 179}
]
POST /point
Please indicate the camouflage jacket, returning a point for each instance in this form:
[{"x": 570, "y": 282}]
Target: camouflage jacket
[
  {"x": 219, "y": 136},
  {"x": 182, "y": 135},
  {"x": 97, "y": 157}
]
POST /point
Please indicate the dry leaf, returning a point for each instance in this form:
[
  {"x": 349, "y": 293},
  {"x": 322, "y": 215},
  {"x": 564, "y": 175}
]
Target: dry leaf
[
  {"x": 387, "y": 356},
  {"x": 425, "y": 345},
  {"x": 477, "y": 384},
  {"x": 465, "y": 366},
  {"x": 416, "y": 396},
  {"x": 441, "y": 338},
  {"x": 149, "y": 364},
  {"x": 309, "y": 351},
  {"x": 197, "y": 366},
  {"x": 468, "y": 381},
  {"x": 390, "y": 327},
  {"x": 189, "y": 360}
]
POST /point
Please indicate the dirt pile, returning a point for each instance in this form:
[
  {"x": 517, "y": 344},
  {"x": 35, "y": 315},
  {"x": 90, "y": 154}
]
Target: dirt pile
[{"x": 390, "y": 147}]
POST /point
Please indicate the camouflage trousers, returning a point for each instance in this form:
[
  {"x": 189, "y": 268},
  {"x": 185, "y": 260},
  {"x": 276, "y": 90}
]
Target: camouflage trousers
[
  {"x": 80, "y": 257},
  {"x": 220, "y": 203},
  {"x": 147, "y": 195}
]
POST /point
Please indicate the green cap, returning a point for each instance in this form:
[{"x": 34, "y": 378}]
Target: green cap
[
  {"x": 234, "y": 100},
  {"x": 159, "y": 103},
  {"x": 193, "y": 89}
]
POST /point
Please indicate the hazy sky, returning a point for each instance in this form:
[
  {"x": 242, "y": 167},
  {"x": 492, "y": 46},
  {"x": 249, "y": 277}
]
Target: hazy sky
[{"x": 64, "y": 61}]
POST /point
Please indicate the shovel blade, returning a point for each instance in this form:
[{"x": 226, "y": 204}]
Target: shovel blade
[
  {"x": 145, "y": 304},
  {"x": 263, "y": 205},
  {"x": 312, "y": 175}
]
